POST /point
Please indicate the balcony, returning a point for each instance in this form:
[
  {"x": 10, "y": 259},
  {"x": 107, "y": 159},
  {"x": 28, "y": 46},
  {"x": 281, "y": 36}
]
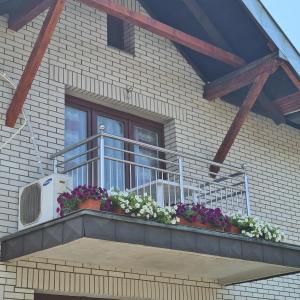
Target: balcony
[
  {"x": 169, "y": 177},
  {"x": 106, "y": 239}
]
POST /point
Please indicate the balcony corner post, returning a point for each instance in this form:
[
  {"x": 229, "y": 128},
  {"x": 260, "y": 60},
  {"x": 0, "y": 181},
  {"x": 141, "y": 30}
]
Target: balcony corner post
[
  {"x": 181, "y": 179},
  {"x": 102, "y": 179},
  {"x": 246, "y": 184}
]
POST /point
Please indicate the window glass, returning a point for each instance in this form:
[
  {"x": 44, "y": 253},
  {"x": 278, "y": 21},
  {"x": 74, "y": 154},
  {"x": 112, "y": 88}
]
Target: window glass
[
  {"x": 76, "y": 131},
  {"x": 114, "y": 169},
  {"x": 145, "y": 175}
]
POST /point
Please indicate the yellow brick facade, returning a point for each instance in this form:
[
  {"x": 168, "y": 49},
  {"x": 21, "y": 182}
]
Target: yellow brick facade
[{"x": 165, "y": 89}]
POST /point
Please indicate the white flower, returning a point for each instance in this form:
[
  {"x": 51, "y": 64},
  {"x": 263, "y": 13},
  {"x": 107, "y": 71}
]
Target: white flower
[
  {"x": 122, "y": 206},
  {"x": 127, "y": 211},
  {"x": 173, "y": 222},
  {"x": 137, "y": 205}
]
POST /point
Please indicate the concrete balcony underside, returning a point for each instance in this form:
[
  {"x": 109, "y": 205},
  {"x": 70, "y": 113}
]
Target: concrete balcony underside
[{"x": 109, "y": 240}]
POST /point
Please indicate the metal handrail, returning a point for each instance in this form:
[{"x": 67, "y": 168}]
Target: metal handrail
[
  {"x": 148, "y": 146},
  {"x": 189, "y": 180}
]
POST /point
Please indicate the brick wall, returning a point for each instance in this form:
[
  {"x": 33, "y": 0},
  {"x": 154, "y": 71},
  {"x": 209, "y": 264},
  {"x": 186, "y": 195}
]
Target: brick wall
[
  {"x": 165, "y": 89},
  {"x": 20, "y": 280}
]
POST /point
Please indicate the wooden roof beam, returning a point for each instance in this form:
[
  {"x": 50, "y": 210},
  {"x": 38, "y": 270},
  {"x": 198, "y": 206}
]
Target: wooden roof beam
[
  {"x": 238, "y": 121},
  {"x": 34, "y": 61},
  {"x": 26, "y": 13},
  {"x": 217, "y": 38},
  {"x": 291, "y": 74},
  {"x": 241, "y": 77},
  {"x": 205, "y": 22},
  {"x": 165, "y": 31},
  {"x": 288, "y": 104}
]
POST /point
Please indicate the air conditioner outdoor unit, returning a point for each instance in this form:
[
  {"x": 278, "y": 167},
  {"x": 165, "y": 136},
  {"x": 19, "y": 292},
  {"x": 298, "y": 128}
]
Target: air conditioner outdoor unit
[{"x": 38, "y": 200}]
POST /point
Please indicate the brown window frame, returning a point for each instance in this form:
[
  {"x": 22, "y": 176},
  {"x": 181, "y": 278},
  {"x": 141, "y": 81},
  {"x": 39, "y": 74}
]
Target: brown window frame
[
  {"x": 129, "y": 120},
  {"x": 93, "y": 110}
]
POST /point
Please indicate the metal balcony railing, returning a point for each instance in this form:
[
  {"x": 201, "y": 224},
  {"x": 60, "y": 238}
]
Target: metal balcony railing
[{"x": 169, "y": 177}]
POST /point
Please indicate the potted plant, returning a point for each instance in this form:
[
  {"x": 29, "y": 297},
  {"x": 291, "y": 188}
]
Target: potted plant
[
  {"x": 83, "y": 197},
  {"x": 191, "y": 215},
  {"x": 116, "y": 199},
  {"x": 215, "y": 218},
  {"x": 143, "y": 207},
  {"x": 254, "y": 228}
]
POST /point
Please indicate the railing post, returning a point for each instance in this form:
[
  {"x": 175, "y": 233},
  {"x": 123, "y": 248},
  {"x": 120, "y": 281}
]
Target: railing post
[
  {"x": 102, "y": 179},
  {"x": 246, "y": 184},
  {"x": 181, "y": 179}
]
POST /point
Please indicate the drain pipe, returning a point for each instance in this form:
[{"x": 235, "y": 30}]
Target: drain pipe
[{"x": 26, "y": 122}]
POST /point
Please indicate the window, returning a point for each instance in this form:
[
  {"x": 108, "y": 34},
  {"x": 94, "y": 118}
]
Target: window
[
  {"x": 83, "y": 119},
  {"x": 120, "y": 34}
]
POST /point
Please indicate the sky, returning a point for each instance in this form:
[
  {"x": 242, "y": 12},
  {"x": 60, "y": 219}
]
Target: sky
[{"x": 287, "y": 14}]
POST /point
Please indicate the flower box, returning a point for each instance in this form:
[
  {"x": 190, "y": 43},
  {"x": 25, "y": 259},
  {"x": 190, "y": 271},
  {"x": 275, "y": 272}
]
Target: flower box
[
  {"x": 182, "y": 221},
  {"x": 90, "y": 204},
  {"x": 119, "y": 211},
  {"x": 233, "y": 229}
]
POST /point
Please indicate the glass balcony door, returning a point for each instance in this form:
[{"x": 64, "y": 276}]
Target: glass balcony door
[
  {"x": 113, "y": 166},
  {"x": 143, "y": 156},
  {"x": 83, "y": 119}
]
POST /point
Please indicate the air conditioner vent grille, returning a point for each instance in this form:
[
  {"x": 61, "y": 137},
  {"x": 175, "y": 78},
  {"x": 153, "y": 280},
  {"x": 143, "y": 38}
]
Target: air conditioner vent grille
[{"x": 30, "y": 204}]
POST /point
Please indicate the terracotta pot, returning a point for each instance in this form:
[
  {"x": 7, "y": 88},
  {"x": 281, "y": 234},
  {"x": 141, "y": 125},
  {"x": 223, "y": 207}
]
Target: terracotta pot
[
  {"x": 182, "y": 221},
  {"x": 119, "y": 211},
  {"x": 90, "y": 204},
  {"x": 185, "y": 222},
  {"x": 201, "y": 225},
  {"x": 234, "y": 229}
]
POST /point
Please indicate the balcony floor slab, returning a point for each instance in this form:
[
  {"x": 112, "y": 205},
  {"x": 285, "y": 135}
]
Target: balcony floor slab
[{"x": 109, "y": 240}]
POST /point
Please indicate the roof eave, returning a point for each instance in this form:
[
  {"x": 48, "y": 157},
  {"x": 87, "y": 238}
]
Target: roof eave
[{"x": 287, "y": 51}]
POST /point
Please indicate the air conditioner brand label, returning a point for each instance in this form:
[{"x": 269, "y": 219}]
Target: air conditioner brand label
[{"x": 47, "y": 182}]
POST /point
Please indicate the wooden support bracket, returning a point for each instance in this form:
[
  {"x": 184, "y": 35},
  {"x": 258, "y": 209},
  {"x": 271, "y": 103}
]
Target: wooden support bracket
[
  {"x": 239, "y": 120},
  {"x": 34, "y": 61}
]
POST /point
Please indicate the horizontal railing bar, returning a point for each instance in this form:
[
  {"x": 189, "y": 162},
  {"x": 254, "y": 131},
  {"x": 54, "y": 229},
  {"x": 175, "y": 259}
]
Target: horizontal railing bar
[
  {"x": 82, "y": 164},
  {"x": 77, "y": 156},
  {"x": 140, "y": 165},
  {"x": 76, "y": 145},
  {"x": 152, "y": 147},
  {"x": 142, "y": 155},
  {"x": 212, "y": 183},
  {"x": 224, "y": 197},
  {"x": 237, "y": 190},
  {"x": 171, "y": 152}
]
